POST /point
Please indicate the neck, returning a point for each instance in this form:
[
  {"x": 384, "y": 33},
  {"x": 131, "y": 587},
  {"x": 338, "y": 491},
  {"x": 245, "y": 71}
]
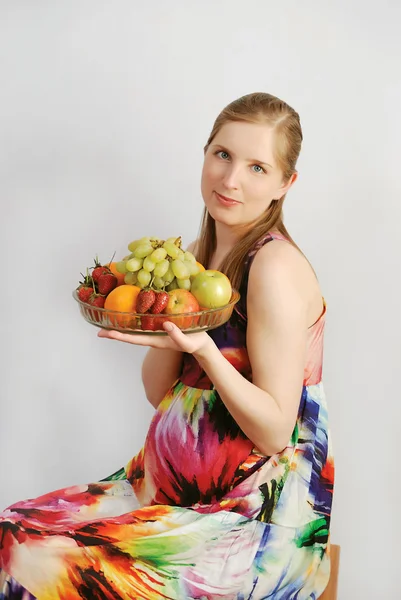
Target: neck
[{"x": 226, "y": 238}]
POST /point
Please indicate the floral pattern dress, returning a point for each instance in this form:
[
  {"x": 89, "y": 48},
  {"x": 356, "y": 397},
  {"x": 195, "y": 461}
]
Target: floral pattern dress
[{"x": 198, "y": 513}]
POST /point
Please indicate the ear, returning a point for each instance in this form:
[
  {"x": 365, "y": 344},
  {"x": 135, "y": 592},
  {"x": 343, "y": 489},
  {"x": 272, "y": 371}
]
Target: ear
[{"x": 285, "y": 187}]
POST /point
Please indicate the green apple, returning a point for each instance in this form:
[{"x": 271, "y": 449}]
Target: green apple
[{"x": 211, "y": 288}]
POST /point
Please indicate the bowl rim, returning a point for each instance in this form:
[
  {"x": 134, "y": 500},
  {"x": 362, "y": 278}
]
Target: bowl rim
[{"x": 235, "y": 296}]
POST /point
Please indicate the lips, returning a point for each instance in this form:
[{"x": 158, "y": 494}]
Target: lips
[{"x": 227, "y": 201}]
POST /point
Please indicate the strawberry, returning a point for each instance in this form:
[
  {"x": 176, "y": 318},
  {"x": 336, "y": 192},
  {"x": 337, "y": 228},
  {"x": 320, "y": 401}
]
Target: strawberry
[
  {"x": 99, "y": 270},
  {"x": 98, "y": 301},
  {"x": 86, "y": 287},
  {"x": 85, "y": 292},
  {"x": 145, "y": 300},
  {"x": 160, "y": 303},
  {"x": 106, "y": 283},
  {"x": 149, "y": 322}
]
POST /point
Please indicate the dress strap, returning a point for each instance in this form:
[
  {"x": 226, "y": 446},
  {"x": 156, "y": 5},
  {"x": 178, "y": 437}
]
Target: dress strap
[{"x": 269, "y": 237}]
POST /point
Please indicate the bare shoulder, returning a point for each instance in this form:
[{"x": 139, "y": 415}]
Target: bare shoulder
[
  {"x": 279, "y": 255},
  {"x": 279, "y": 269}
]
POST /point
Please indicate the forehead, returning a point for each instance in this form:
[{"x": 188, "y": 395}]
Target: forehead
[{"x": 248, "y": 140}]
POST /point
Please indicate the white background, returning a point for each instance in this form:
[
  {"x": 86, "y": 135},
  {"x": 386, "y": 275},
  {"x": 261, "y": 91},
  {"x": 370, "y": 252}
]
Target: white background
[{"x": 104, "y": 111}]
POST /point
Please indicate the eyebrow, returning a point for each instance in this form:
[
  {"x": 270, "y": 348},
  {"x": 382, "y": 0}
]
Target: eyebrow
[{"x": 252, "y": 160}]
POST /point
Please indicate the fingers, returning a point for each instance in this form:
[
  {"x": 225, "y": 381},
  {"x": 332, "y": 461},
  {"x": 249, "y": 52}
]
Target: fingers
[
  {"x": 172, "y": 329},
  {"x": 141, "y": 340},
  {"x": 114, "y": 335},
  {"x": 174, "y": 340},
  {"x": 177, "y": 336},
  {"x": 185, "y": 342}
]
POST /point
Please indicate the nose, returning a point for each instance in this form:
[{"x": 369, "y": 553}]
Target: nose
[{"x": 231, "y": 179}]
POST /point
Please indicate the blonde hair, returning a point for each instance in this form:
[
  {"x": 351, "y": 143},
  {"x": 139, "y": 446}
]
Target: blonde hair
[{"x": 255, "y": 108}]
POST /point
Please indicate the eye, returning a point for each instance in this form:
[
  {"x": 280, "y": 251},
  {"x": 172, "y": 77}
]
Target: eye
[
  {"x": 258, "y": 169},
  {"x": 223, "y": 154}
]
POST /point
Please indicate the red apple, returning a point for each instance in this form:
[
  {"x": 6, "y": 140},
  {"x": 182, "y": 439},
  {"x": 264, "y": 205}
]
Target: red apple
[
  {"x": 211, "y": 288},
  {"x": 182, "y": 301}
]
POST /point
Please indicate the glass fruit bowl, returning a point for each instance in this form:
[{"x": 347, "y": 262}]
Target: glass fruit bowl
[{"x": 148, "y": 324}]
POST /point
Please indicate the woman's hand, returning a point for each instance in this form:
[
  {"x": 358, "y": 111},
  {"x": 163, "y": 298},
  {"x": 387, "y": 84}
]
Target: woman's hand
[{"x": 175, "y": 340}]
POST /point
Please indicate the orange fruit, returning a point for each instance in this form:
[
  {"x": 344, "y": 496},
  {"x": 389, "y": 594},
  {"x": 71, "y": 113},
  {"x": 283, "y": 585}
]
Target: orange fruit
[
  {"x": 120, "y": 276},
  {"x": 122, "y": 299}
]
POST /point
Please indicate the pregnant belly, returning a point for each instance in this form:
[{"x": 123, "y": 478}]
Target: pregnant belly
[{"x": 194, "y": 450}]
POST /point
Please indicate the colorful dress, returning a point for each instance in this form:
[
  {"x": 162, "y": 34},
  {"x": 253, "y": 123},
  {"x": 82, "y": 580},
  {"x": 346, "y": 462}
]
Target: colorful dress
[{"x": 198, "y": 513}]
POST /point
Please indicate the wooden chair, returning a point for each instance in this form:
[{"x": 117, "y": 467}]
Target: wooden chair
[{"x": 330, "y": 593}]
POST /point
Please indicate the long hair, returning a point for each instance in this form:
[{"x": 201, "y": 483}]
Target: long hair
[{"x": 255, "y": 108}]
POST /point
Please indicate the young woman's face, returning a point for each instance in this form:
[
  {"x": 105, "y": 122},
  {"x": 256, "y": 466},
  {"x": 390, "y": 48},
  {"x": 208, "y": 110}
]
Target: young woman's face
[{"x": 240, "y": 176}]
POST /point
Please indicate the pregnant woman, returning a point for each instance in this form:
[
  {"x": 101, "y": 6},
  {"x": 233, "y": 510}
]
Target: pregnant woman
[{"x": 230, "y": 496}]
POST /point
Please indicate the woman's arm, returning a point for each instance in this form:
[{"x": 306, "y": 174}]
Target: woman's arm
[
  {"x": 160, "y": 369},
  {"x": 266, "y": 409}
]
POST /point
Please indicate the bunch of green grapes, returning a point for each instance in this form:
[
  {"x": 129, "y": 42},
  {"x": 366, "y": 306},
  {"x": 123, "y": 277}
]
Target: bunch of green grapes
[{"x": 159, "y": 264}]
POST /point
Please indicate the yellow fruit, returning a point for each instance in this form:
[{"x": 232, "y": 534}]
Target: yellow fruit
[{"x": 122, "y": 299}]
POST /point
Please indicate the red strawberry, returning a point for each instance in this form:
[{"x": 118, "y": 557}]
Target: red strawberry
[
  {"x": 149, "y": 322},
  {"x": 99, "y": 270},
  {"x": 106, "y": 283},
  {"x": 86, "y": 287},
  {"x": 160, "y": 303},
  {"x": 97, "y": 301},
  {"x": 85, "y": 292},
  {"x": 145, "y": 300}
]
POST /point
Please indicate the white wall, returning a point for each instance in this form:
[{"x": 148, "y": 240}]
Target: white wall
[{"x": 104, "y": 110}]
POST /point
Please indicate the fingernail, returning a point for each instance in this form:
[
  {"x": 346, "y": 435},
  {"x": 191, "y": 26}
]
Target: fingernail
[{"x": 168, "y": 326}]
